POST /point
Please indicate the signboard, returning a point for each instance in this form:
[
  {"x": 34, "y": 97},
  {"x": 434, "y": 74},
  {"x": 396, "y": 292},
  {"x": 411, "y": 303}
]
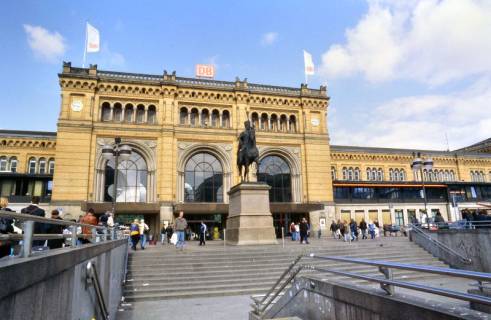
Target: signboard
[{"x": 205, "y": 71}]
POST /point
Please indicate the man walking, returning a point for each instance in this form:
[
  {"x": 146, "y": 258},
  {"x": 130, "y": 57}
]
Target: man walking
[
  {"x": 180, "y": 226},
  {"x": 163, "y": 235},
  {"x": 143, "y": 229},
  {"x": 202, "y": 233},
  {"x": 55, "y": 229},
  {"x": 304, "y": 229}
]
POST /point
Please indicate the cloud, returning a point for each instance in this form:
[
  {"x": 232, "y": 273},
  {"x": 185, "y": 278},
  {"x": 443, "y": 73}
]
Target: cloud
[
  {"x": 269, "y": 38},
  {"x": 49, "y": 46},
  {"x": 430, "y": 41},
  {"x": 421, "y": 121}
]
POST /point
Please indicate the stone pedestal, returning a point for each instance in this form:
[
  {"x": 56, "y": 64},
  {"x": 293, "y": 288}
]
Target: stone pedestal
[{"x": 249, "y": 220}]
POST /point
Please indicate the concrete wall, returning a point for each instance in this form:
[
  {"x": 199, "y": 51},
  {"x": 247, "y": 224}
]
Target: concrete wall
[
  {"x": 313, "y": 299},
  {"x": 53, "y": 285},
  {"x": 473, "y": 243}
]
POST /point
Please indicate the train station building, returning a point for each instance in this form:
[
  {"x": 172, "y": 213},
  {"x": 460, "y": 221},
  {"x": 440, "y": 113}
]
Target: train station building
[{"x": 182, "y": 137}]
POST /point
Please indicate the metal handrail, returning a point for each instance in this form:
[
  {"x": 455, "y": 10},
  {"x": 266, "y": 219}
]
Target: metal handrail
[
  {"x": 441, "y": 245},
  {"x": 28, "y": 230},
  {"x": 386, "y": 283},
  {"x": 92, "y": 275}
]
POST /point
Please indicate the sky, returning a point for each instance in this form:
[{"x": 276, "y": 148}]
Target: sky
[{"x": 400, "y": 73}]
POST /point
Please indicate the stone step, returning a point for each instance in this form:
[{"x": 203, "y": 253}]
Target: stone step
[
  {"x": 255, "y": 266},
  {"x": 178, "y": 260}
]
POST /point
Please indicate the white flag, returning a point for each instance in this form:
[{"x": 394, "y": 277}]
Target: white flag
[
  {"x": 309, "y": 63},
  {"x": 93, "y": 43}
]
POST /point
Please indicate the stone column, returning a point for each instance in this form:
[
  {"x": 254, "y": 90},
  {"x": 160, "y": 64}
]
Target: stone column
[
  {"x": 111, "y": 114},
  {"x": 145, "y": 115},
  {"x": 200, "y": 117}
]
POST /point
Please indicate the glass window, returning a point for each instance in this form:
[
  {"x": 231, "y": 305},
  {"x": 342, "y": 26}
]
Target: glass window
[
  {"x": 3, "y": 164},
  {"x": 333, "y": 173},
  {"x": 363, "y": 193},
  {"x": 128, "y": 113},
  {"x": 152, "y": 115},
  {"x": 226, "y": 119},
  {"x": 13, "y": 164},
  {"x": 341, "y": 193},
  {"x": 412, "y": 193},
  {"x": 389, "y": 193},
  {"x": 7, "y": 188},
  {"x": 117, "y": 112},
  {"x": 275, "y": 171},
  {"x": 380, "y": 175},
  {"x": 32, "y": 166},
  {"x": 42, "y": 166},
  {"x": 132, "y": 180},
  {"x": 357, "y": 174},
  {"x": 183, "y": 116},
  {"x": 203, "y": 179},
  {"x": 215, "y": 117},
  {"x": 51, "y": 166},
  {"x": 140, "y": 113},
  {"x": 399, "y": 217},
  {"x": 106, "y": 111}
]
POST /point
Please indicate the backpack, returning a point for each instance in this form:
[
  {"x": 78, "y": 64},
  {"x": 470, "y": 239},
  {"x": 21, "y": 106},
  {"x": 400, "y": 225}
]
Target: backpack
[{"x": 134, "y": 229}]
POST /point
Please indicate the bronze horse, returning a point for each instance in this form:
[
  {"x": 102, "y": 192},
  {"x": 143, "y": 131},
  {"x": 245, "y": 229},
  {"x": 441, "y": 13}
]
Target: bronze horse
[{"x": 247, "y": 152}]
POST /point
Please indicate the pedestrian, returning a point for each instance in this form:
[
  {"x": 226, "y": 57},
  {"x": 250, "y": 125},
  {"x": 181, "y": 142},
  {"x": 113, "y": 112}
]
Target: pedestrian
[
  {"x": 334, "y": 228},
  {"x": 163, "y": 235},
  {"x": 304, "y": 229},
  {"x": 55, "y": 229},
  {"x": 103, "y": 219},
  {"x": 354, "y": 230},
  {"x": 319, "y": 233},
  {"x": 345, "y": 230},
  {"x": 134, "y": 233},
  {"x": 110, "y": 219},
  {"x": 143, "y": 229},
  {"x": 88, "y": 218},
  {"x": 363, "y": 228},
  {"x": 292, "y": 230},
  {"x": 169, "y": 231},
  {"x": 180, "y": 226},
  {"x": 297, "y": 231},
  {"x": 202, "y": 233},
  {"x": 439, "y": 219},
  {"x": 6, "y": 227},
  {"x": 35, "y": 210},
  {"x": 338, "y": 231}
]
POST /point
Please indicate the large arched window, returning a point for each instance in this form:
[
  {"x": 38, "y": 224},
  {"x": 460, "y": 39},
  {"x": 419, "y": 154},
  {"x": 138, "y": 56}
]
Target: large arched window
[
  {"x": 183, "y": 115},
  {"x": 13, "y": 164},
  {"x": 117, "y": 112},
  {"x": 151, "y": 114},
  {"x": 106, "y": 111},
  {"x": 275, "y": 171},
  {"x": 203, "y": 179},
  {"x": 42, "y": 166},
  {"x": 132, "y": 180}
]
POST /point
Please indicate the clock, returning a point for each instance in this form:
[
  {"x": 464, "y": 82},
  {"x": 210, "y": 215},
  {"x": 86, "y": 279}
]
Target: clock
[
  {"x": 77, "y": 105},
  {"x": 315, "y": 122}
]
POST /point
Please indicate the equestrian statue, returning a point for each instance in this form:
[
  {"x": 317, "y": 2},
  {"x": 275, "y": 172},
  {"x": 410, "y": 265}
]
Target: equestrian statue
[{"x": 247, "y": 152}]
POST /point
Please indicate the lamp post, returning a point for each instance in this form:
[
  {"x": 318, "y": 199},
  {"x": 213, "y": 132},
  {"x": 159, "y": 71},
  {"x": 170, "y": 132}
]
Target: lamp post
[
  {"x": 418, "y": 164},
  {"x": 115, "y": 151}
]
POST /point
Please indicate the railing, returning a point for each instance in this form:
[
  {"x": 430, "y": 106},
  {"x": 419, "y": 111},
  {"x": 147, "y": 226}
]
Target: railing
[
  {"x": 439, "y": 244},
  {"x": 388, "y": 284},
  {"x": 93, "y": 277},
  {"x": 28, "y": 235}
]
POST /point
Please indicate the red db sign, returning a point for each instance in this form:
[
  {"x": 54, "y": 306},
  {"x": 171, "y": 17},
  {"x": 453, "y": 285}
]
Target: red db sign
[{"x": 205, "y": 70}]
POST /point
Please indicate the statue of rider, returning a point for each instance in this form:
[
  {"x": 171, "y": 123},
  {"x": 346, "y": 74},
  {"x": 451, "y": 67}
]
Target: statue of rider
[{"x": 247, "y": 152}]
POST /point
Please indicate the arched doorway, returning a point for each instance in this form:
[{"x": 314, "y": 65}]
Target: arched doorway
[
  {"x": 276, "y": 172},
  {"x": 203, "y": 179},
  {"x": 132, "y": 180}
]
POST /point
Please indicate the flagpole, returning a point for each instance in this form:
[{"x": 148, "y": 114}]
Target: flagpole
[{"x": 85, "y": 45}]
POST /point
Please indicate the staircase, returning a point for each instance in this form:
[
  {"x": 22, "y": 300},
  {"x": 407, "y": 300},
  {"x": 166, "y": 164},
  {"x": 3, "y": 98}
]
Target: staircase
[{"x": 162, "y": 272}]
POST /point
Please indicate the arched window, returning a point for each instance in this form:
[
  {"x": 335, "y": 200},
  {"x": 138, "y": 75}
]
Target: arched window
[
  {"x": 117, "y": 112},
  {"x": 275, "y": 171},
  {"x": 293, "y": 123},
  {"x": 32, "y": 165},
  {"x": 345, "y": 174},
  {"x": 140, "y": 113},
  {"x": 3, "y": 163},
  {"x": 205, "y": 117},
  {"x": 203, "y": 179},
  {"x": 333, "y": 173},
  {"x": 183, "y": 115},
  {"x": 106, "y": 112},
  {"x": 356, "y": 174},
  {"x": 452, "y": 175},
  {"x": 51, "y": 166},
  {"x": 194, "y": 117},
  {"x": 128, "y": 113},
  {"x": 215, "y": 117},
  {"x": 380, "y": 174},
  {"x": 283, "y": 123},
  {"x": 391, "y": 175},
  {"x": 350, "y": 174},
  {"x": 226, "y": 119},
  {"x": 13, "y": 164},
  {"x": 402, "y": 175},
  {"x": 425, "y": 175},
  {"x": 264, "y": 122},
  {"x": 132, "y": 180},
  {"x": 42, "y": 166},
  {"x": 369, "y": 174},
  {"x": 255, "y": 120},
  {"x": 151, "y": 114},
  {"x": 274, "y": 122}
]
